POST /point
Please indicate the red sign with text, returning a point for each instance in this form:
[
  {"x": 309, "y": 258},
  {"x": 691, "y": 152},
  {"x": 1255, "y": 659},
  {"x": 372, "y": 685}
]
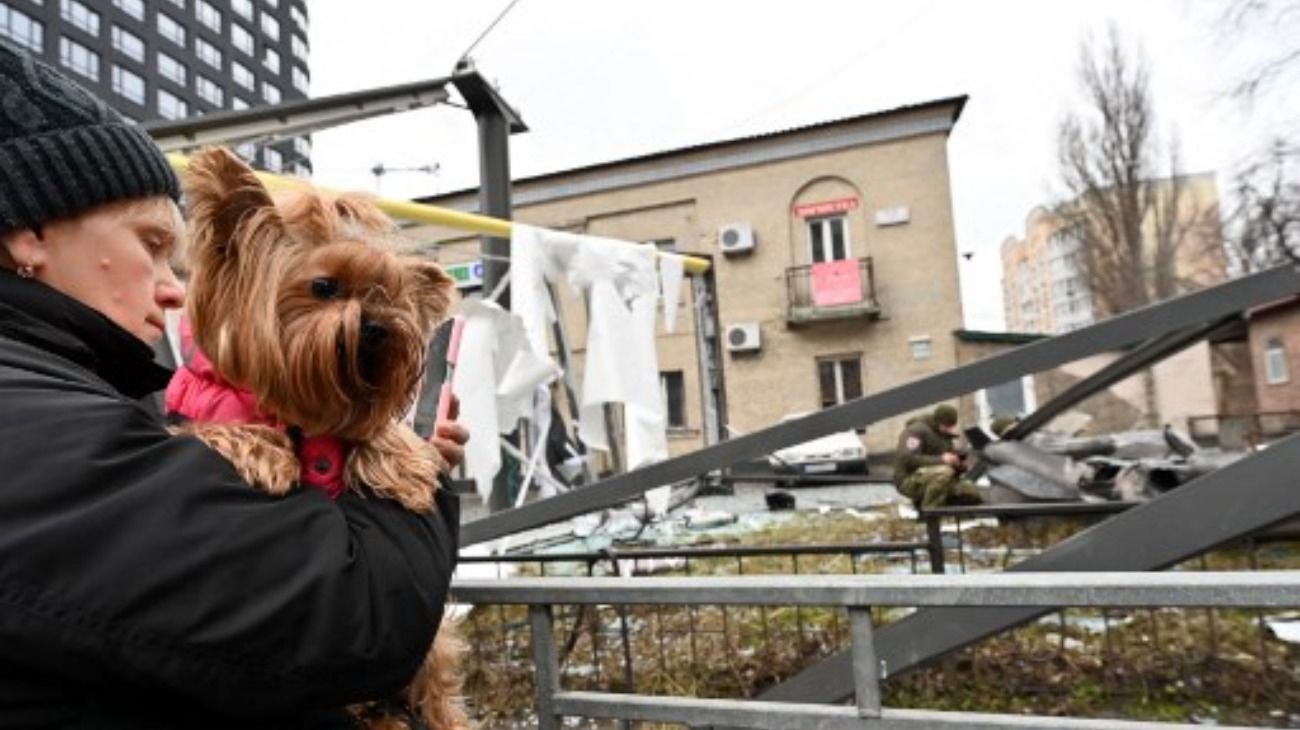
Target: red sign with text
[
  {"x": 836, "y": 282},
  {"x": 826, "y": 207}
]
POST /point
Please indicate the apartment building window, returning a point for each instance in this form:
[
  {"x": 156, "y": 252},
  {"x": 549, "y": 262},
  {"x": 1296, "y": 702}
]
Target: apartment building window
[
  {"x": 172, "y": 69},
  {"x": 171, "y": 106},
  {"x": 179, "y": 4},
  {"x": 828, "y": 239},
  {"x": 270, "y": 92},
  {"x": 128, "y": 84},
  {"x": 301, "y": 81},
  {"x": 298, "y": 16},
  {"x": 299, "y": 47},
  {"x": 672, "y": 387},
  {"x": 79, "y": 58},
  {"x": 208, "y": 53},
  {"x": 300, "y": 169},
  {"x": 210, "y": 91},
  {"x": 1275, "y": 365},
  {"x": 243, "y": 7},
  {"x": 128, "y": 43},
  {"x": 238, "y": 104},
  {"x": 271, "y": 59},
  {"x": 133, "y": 8},
  {"x": 171, "y": 30},
  {"x": 208, "y": 15},
  {"x": 302, "y": 146},
  {"x": 79, "y": 15},
  {"x": 22, "y": 29},
  {"x": 272, "y": 3},
  {"x": 273, "y": 160},
  {"x": 242, "y": 39},
  {"x": 1013, "y": 398},
  {"x": 271, "y": 27},
  {"x": 839, "y": 379},
  {"x": 246, "y": 150},
  {"x": 243, "y": 76},
  {"x": 922, "y": 347}
]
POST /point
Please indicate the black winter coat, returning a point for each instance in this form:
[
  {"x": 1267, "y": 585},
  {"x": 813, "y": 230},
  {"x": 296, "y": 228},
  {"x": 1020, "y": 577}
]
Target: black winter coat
[{"x": 143, "y": 584}]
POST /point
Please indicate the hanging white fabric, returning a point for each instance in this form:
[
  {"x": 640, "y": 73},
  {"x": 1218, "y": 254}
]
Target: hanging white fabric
[
  {"x": 671, "y": 271},
  {"x": 497, "y": 375}
]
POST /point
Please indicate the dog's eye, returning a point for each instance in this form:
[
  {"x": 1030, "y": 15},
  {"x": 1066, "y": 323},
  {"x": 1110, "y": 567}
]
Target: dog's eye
[{"x": 324, "y": 287}]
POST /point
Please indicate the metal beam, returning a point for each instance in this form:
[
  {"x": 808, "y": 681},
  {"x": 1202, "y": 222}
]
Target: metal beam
[
  {"x": 1193, "y": 309},
  {"x": 1179, "y": 589},
  {"x": 295, "y": 117},
  {"x": 1144, "y": 356},
  {"x": 1233, "y": 502}
]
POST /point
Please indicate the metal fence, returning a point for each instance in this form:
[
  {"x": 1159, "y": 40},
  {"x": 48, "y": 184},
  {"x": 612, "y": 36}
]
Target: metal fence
[{"x": 857, "y": 595}]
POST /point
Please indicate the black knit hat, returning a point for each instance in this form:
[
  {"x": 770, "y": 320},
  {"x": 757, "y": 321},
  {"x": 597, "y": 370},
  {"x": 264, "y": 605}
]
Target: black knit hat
[{"x": 62, "y": 150}]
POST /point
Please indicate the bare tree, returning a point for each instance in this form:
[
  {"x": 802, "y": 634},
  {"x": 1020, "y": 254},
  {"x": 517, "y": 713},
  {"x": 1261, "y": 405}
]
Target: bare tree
[
  {"x": 1241, "y": 18},
  {"x": 1142, "y": 235},
  {"x": 1136, "y": 218}
]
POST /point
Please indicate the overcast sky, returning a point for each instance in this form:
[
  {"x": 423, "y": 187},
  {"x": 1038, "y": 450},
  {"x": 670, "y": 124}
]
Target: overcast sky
[{"x": 599, "y": 80}]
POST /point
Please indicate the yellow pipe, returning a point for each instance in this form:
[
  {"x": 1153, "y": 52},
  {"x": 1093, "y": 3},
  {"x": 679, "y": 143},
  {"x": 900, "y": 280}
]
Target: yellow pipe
[{"x": 421, "y": 213}]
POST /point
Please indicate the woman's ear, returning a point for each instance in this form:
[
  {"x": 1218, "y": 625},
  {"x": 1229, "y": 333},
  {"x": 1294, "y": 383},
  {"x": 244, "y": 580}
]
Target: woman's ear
[{"x": 23, "y": 247}]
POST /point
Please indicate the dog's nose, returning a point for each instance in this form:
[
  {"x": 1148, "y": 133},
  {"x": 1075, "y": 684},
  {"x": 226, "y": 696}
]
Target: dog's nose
[{"x": 373, "y": 334}]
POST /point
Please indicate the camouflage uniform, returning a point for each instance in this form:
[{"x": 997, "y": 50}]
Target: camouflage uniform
[{"x": 919, "y": 471}]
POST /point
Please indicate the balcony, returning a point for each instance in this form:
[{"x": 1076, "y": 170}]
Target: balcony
[{"x": 831, "y": 291}]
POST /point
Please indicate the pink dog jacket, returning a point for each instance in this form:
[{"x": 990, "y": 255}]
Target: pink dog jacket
[{"x": 197, "y": 393}]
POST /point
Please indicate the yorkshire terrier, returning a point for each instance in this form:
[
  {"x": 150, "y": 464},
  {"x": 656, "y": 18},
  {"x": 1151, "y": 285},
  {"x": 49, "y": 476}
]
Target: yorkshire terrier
[{"x": 302, "y": 309}]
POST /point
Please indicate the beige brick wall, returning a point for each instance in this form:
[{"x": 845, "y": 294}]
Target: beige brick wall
[{"x": 915, "y": 268}]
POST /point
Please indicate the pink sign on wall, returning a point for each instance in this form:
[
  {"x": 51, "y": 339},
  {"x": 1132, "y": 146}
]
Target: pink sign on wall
[
  {"x": 826, "y": 207},
  {"x": 836, "y": 282}
]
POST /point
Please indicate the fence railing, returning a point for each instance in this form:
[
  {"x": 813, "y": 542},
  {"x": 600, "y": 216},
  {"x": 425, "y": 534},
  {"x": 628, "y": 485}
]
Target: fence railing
[
  {"x": 1243, "y": 431},
  {"x": 858, "y": 594},
  {"x": 811, "y": 299}
]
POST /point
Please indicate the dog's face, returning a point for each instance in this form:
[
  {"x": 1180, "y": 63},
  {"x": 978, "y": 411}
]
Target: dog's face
[{"x": 304, "y": 301}]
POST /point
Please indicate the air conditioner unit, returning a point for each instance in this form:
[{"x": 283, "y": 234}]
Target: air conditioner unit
[
  {"x": 736, "y": 238},
  {"x": 745, "y": 337}
]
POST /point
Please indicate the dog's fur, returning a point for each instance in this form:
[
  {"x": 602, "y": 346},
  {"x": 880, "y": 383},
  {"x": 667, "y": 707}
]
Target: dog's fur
[{"x": 345, "y": 364}]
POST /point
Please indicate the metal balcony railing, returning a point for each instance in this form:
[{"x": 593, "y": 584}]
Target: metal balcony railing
[
  {"x": 858, "y": 594},
  {"x": 831, "y": 290}
]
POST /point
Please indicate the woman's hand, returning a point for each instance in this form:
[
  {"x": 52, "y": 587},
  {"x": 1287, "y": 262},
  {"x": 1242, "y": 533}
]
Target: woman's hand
[{"x": 449, "y": 436}]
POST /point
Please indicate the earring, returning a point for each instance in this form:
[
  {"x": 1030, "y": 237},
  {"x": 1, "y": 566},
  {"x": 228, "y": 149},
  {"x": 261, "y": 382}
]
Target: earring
[{"x": 27, "y": 271}]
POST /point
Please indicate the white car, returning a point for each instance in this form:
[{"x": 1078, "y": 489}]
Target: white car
[{"x": 836, "y": 453}]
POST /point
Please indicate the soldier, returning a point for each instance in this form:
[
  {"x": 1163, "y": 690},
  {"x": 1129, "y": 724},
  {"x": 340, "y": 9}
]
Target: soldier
[{"x": 928, "y": 467}]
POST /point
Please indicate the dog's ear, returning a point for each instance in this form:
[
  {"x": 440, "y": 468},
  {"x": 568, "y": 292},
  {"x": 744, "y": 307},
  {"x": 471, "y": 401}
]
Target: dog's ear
[
  {"x": 431, "y": 289},
  {"x": 224, "y": 195},
  {"x": 362, "y": 210}
]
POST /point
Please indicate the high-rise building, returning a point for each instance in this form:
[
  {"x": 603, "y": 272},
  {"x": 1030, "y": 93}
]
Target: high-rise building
[
  {"x": 171, "y": 59},
  {"x": 1046, "y": 287}
]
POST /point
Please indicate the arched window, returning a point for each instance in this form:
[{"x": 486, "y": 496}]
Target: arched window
[{"x": 1275, "y": 364}]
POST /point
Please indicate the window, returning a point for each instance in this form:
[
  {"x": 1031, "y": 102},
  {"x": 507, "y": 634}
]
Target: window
[
  {"x": 238, "y": 104},
  {"x": 272, "y": 3},
  {"x": 172, "y": 106},
  {"x": 1013, "y": 398},
  {"x": 79, "y": 15},
  {"x": 828, "y": 239},
  {"x": 1275, "y": 365},
  {"x": 672, "y": 387},
  {"x": 300, "y": 80},
  {"x": 127, "y": 84},
  {"x": 242, "y": 39},
  {"x": 178, "y": 3},
  {"x": 665, "y": 245},
  {"x": 171, "y": 30},
  {"x": 210, "y": 91},
  {"x": 839, "y": 379},
  {"x": 207, "y": 14},
  {"x": 246, "y": 150},
  {"x": 172, "y": 69},
  {"x": 79, "y": 58},
  {"x": 128, "y": 43},
  {"x": 300, "y": 169},
  {"x": 133, "y": 8},
  {"x": 302, "y": 146},
  {"x": 299, "y": 47},
  {"x": 270, "y": 92},
  {"x": 922, "y": 347},
  {"x": 271, "y": 59},
  {"x": 273, "y": 160},
  {"x": 208, "y": 53},
  {"x": 242, "y": 76},
  {"x": 22, "y": 29},
  {"x": 298, "y": 16},
  {"x": 243, "y": 7},
  {"x": 271, "y": 27}
]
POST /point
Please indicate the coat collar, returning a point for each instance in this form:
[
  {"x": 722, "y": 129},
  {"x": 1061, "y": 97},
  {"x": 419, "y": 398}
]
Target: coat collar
[{"x": 43, "y": 317}]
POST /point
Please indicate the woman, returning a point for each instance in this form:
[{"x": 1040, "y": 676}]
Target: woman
[{"x": 142, "y": 584}]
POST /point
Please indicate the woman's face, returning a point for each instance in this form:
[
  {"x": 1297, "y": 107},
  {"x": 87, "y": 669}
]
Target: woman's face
[{"x": 116, "y": 258}]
